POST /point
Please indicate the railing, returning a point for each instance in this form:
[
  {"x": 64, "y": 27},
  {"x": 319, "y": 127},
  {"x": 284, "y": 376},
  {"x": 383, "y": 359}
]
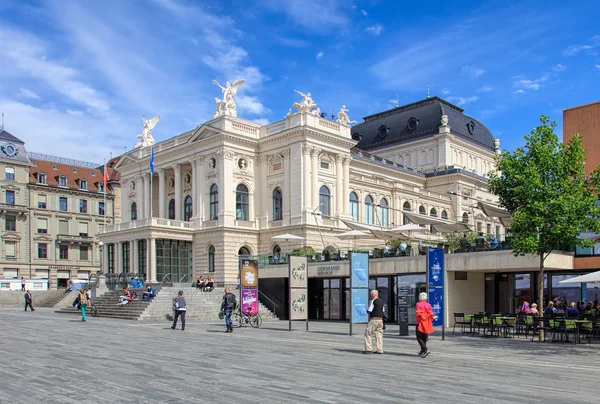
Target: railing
[
  {"x": 274, "y": 307},
  {"x": 167, "y": 278},
  {"x": 155, "y": 221},
  {"x": 184, "y": 278},
  {"x": 11, "y": 207},
  {"x": 75, "y": 239}
]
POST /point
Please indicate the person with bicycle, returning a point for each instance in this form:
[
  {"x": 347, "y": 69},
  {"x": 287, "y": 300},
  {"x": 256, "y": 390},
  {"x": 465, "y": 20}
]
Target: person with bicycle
[{"x": 227, "y": 306}]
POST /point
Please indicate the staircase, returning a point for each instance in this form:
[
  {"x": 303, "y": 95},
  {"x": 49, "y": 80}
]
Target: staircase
[
  {"x": 41, "y": 298},
  {"x": 200, "y": 305}
]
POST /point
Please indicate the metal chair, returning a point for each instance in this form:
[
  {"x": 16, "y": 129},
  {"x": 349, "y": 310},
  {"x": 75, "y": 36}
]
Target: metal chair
[{"x": 459, "y": 318}]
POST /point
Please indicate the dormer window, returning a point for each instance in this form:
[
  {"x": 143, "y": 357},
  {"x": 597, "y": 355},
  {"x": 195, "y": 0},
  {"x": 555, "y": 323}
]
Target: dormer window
[
  {"x": 74, "y": 171},
  {"x": 54, "y": 168},
  {"x": 62, "y": 181},
  {"x": 82, "y": 184},
  {"x": 100, "y": 187},
  {"x": 41, "y": 178},
  {"x": 93, "y": 174}
]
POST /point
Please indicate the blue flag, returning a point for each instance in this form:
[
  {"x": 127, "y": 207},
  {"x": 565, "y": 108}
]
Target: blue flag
[{"x": 152, "y": 161}]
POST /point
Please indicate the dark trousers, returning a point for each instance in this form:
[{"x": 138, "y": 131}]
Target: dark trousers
[
  {"x": 179, "y": 313},
  {"x": 228, "y": 317},
  {"x": 422, "y": 340},
  {"x": 30, "y": 306}
]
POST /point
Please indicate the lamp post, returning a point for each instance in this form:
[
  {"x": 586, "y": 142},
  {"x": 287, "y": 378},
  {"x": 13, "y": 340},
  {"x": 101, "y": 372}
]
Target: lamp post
[{"x": 101, "y": 248}]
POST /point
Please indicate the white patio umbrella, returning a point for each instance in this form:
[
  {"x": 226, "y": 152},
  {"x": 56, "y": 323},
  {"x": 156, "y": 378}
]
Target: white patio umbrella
[
  {"x": 287, "y": 237},
  {"x": 587, "y": 278},
  {"x": 407, "y": 228},
  {"x": 354, "y": 235}
]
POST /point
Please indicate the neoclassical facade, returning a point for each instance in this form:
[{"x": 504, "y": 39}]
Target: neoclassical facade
[{"x": 227, "y": 187}]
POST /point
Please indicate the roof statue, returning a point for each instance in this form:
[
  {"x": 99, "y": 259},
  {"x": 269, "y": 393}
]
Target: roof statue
[
  {"x": 146, "y": 139},
  {"x": 306, "y": 105},
  {"x": 227, "y": 106},
  {"x": 342, "y": 116}
]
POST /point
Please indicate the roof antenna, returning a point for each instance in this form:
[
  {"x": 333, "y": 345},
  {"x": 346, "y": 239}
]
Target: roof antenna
[
  {"x": 428, "y": 96},
  {"x": 332, "y": 116},
  {"x": 2, "y": 127},
  {"x": 396, "y": 100}
]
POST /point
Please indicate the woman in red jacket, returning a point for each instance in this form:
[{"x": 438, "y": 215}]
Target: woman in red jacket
[{"x": 424, "y": 323}]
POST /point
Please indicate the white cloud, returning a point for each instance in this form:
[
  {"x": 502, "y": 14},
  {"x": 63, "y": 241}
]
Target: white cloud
[
  {"x": 484, "y": 89},
  {"x": 315, "y": 15},
  {"x": 374, "y": 30},
  {"x": 27, "y": 93},
  {"x": 364, "y": 12},
  {"x": 251, "y": 105},
  {"x": 463, "y": 100},
  {"x": 526, "y": 84},
  {"x": 519, "y": 91},
  {"x": 575, "y": 49},
  {"x": 597, "y": 66},
  {"x": 319, "y": 55},
  {"x": 261, "y": 121},
  {"x": 74, "y": 113},
  {"x": 471, "y": 71},
  {"x": 445, "y": 91},
  {"x": 559, "y": 68}
]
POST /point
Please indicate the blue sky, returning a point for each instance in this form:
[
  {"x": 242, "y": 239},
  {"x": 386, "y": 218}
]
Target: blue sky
[{"x": 76, "y": 76}]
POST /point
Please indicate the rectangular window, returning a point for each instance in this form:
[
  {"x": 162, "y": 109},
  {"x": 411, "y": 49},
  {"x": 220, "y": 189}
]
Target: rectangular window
[
  {"x": 10, "y": 223},
  {"x": 126, "y": 258},
  {"x": 83, "y": 253},
  {"x": 82, "y": 206},
  {"x": 42, "y": 250},
  {"x": 325, "y": 165},
  {"x": 9, "y": 174},
  {"x": 41, "y": 178},
  {"x": 63, "y": 251},
  {"x": 101, "y": 208},
  {"x": 62, "y": 181},
  {"x": 83, "y": 229},
  {"x": 100, "y": 187},
  {"x": 479, "y": 226},
  {"x": 141, "y": 257},
  {"x": 11, "y": 248},
  {"x": 63, "y": 227},
  {"x": 111, "y": 258},
  {"x": 10, "y": 197},
  {"x": 62, "y": 203},
  {"x": 42, "y": 226},
  {"x": 82, "y": 184},
  {"x": 41, "y": 201}
]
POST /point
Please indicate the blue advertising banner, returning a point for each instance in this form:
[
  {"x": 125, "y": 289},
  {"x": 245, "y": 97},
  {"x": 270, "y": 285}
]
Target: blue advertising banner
[
  {"x": 359, "y": 270},
  {"x": 360, "y": 304},
  {"x": 435, "y": 267},
  {"x": 436, "y": 299}
]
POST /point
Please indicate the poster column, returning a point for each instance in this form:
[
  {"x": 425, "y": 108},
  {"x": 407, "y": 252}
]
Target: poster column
[
  {"x": 249, "y": 285},
  {"x": 298, "y": 284},
  {"x": 359, "y": 288},
  {"x": 436, "y": 281}
]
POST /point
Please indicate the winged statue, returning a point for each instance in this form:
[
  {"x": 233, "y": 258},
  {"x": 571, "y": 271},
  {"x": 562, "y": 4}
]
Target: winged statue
[
  {"x": 307, "y": 104},
  {"x": 145, "y": 137},
  {"x": 342, "y": 116},
  {"x": 227, "y": 105}
]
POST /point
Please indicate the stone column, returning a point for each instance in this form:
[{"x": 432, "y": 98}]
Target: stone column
[
  {"x": 346, "y": 163},
  {"x": 147, "y": 213},
  {"x": 118, "y": 259},
  {"x": 200, "y": 188},
  {"x": 339, "y": 188},
  {"x": 125, "y": 216},
  {"x": 135, "y": 264},
  {"x": 226, "y": 190},
  {"x": 178, "y": 201},
  {"x": 139, "y": 196},
  {"x": 314, "y": 159},
  {"x": 162, "y": 193},
  {"x": 194, "y": 187},
  {"x": 287, "y": 188},
  {"x": 306, "y": 190}
]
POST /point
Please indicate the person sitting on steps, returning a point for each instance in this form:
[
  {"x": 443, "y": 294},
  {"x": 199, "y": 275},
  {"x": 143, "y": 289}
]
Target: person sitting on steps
[
  {"x": 210, "y": 285},
  {"x": 149, "y": 293},
  {"x": 201, "y": 284}
]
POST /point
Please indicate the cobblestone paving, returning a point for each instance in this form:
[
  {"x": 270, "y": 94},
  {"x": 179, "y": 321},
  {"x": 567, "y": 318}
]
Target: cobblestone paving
[{"x": 50, "y": 358}]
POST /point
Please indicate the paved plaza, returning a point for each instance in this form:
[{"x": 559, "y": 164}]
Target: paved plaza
[{"x": 51, "y": 358}]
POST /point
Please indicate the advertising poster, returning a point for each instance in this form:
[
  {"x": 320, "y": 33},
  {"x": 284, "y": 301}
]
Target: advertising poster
[
  {"x": 436, "y": 300},
  {"x": 360, "y": 304},
  {"x": 298, "y": 272},
  {"x": 435, "y": 267},
  {"x": 249, "y": 273},
  {"x": 359, "y": 267},
  {"x": 298, "y": 310},
  {"x": 249, "y": 300}
]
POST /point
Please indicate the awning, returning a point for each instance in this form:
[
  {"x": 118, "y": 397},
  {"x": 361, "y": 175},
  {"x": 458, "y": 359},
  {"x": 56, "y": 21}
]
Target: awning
[
  {"x": 495, "y": 211},
  {"x": 441, "y": 225},
  {"x": 378, "y": 232},
  {"x": 588, "y": 278}
]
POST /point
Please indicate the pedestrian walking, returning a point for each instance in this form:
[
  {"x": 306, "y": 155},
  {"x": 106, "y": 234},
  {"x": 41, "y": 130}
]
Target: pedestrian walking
[
  {"x": 424, "y": 323},
  {"x": 22, "y": 284},
  {"x": 179, "y": 306},
  {"x": 28, "y": 301},
  {"x": 83, "y": 302},
  {"x": 375, "y": 324},
  {"x": 227, "y": 306}
]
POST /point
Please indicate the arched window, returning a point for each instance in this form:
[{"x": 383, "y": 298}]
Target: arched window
[
  {"x": 277, "y": 204},
  {"x": 211, "y": 259},
  {"x": 406, "y": 208},
  {"x": 172, "y": 209},
  {"x": 384, "y": 213},
  {"x": 214, "y": 202},
  {"x": 276, "y": 251},
  {"x": 241, "y": 202},
  {"x": 325, "y": 201},
  {"x": 421, "y": 210},
  {"x": 133, "y": 211},
  {"x": 354, "y": 205},
  {"x": 187, "y": 208},
  {"x": 433, "y": 212},
  {"x": 444, "y": 215},
  {"x": 244, "y": 251},
  {"x": 369, "y": 209},
  {"x": 465, "y": 217}
]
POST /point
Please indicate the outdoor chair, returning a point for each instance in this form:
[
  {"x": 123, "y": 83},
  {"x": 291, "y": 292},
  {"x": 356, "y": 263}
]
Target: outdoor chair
[
  {"x": 511, "y": 325},
  {"x": 541, "y": 324},
  {"x": 459, "y": 318},
  {"x": 587, "y": 329}
]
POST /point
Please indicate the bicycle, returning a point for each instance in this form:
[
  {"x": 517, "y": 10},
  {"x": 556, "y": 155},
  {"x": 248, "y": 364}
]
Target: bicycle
[
  {"x": 93, "y": 311},
  {"x": 240, "y": 318}
]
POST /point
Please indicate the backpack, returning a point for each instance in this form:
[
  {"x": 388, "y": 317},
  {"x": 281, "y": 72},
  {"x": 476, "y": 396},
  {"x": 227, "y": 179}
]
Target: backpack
[{"x": 230, "y": 300}]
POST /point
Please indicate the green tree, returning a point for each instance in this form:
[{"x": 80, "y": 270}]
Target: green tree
[{"x": 551, "y": 201}]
